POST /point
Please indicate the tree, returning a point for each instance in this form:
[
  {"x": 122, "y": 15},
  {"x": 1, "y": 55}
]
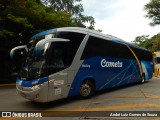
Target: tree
[
  {"x": 19, "y": 20},
  {"x": 156, "y": 42},
  {"x": 74, "y": 8},
  {"x": 153, "y": 11},
  {"x": 139, "y": 40},
  {"x": 29, "y": 17},
  {"x": 152, "y": 43}
]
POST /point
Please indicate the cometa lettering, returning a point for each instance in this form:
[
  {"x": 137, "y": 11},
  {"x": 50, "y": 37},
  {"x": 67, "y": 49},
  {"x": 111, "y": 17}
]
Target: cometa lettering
[{"x": 105, "y": 63}]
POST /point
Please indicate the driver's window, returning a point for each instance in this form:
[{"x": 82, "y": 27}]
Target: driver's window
[
  {"x": 57, "y": 60},
  {"x": 58, "y": 57}
]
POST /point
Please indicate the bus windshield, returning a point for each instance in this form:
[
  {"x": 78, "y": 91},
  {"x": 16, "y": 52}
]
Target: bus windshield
[
  {"x": 33, "y": 65},
  {"x": 58, "y": 57}
]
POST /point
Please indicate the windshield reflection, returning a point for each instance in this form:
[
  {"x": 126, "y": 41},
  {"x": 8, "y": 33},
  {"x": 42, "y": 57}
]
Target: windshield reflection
[{"x": 33, "y": 65}]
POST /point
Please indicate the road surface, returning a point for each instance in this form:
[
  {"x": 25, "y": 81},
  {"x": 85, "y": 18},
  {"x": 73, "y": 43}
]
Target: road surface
[{"x": 136, "y": 97}]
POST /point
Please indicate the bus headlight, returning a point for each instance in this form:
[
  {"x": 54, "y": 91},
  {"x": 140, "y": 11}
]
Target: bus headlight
[{"x": 37, "y": 87}]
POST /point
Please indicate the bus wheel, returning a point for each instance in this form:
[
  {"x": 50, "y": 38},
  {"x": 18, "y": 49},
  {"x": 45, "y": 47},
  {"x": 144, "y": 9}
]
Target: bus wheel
[
  {"x": 86, "y": 90},
  {"x": 143, "y": 78}
]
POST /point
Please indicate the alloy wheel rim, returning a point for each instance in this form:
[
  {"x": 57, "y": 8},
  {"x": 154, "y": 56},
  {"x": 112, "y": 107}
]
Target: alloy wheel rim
[{"x": 85, "y": 90}]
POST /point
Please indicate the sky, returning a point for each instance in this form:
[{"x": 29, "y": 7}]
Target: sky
[{"x": 124, "y": 19}]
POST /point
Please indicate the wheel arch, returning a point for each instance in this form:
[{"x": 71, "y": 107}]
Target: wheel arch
[{"x": 90, "y": 78}]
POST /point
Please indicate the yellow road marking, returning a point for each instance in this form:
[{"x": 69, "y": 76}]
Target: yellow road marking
[
  {"x": 126, "y": 106},
  {"x": 13, "y": 84},
  {"x": 148, "y": 95},
  {"x": 105, "y": 108},
  {"x": 131, "y": 95},
  {"x": 116, "y": 107},
  {"x": 85, "y": 104}
]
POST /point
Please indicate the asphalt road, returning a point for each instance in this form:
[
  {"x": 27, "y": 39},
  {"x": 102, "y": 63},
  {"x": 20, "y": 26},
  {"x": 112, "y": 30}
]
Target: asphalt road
[{"x": 136, "y": 97}]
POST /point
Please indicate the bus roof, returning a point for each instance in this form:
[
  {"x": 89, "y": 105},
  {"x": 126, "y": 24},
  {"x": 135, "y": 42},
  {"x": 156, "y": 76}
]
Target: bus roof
[{"x": 87, "y": 31}]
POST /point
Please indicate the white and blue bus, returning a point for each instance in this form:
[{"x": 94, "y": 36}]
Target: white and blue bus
[{"x": 72, "y": 61}]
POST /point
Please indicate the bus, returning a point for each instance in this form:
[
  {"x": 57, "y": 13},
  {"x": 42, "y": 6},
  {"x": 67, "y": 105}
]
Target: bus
[
  {"x": 156, "y": 56},
  {"x": 73, "y": 61}
]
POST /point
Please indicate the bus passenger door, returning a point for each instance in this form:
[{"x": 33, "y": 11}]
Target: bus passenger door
[{"x": 57, "y": 67}]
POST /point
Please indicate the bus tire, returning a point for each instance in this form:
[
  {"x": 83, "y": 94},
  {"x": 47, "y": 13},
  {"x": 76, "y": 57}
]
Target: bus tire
[
  {"x": 87, "y": 89},
  {"x": 143, "y": 78}
]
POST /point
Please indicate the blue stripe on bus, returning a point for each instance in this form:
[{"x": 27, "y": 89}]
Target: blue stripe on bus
[
  {"x": 107, "y": 77},
  {"x": 30, "y": 83},
  {"x": 44, "y": 33}
]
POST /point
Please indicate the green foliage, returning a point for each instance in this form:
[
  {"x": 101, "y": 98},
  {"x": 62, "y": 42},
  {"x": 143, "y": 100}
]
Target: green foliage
[
  {"x": 74, "y": 8},
  {"x": 152, "y": 43},
  {"x": 139, "y": 40},
  {"x": 20, "y": 19},
  {"x": 153, "y": 11},
  {"x": 23, "y": 18},
  {"x": 156, "y": 42}
]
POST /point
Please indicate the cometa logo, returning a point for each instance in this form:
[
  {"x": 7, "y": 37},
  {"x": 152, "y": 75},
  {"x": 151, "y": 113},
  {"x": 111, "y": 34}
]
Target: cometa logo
[{"x": 105, "y": 63}]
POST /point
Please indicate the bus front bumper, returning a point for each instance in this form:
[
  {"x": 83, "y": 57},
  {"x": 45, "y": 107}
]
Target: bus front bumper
[{"x": 33, "y": 93}]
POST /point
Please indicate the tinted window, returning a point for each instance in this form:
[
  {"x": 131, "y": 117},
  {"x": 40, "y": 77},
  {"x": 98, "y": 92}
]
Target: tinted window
[
  {"x": 142, "y": 54},
  {"x": 106, "y": 48},
  {"x": 94, "y": 47},
  {"x": 61, "y": 54},
  {"x": 58, "y": 57},
  {"x": 75, "y": 41},
  {"x": 117, "y": 50}
]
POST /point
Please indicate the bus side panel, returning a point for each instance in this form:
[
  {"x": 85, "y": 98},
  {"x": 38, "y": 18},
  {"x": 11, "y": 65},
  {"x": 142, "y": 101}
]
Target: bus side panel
[
  {"x": 147, "y": 68},
  {"x": 89, "y": 69},
  {"x": 107, "y": 73}
]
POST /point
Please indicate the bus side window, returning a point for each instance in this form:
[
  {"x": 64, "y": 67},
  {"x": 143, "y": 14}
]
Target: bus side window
[
  {"x": 57, "y": 60},
  {"x": 57, "y": 57},
  {"x": 143, "y": 55},
  {"x": 117, "y": 50},
  {"x": 94, "y": 48},
  {"x": 105, "y": 48},
  {"x": 75, "y": 41}
]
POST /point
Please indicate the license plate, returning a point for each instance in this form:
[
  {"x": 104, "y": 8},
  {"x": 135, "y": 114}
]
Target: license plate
[{"x": 22, "y": 94}]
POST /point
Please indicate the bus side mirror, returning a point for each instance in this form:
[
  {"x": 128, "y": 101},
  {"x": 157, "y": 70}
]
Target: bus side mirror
[
  {"x": 42, "y": 45},
  {"x": 17, "y": 54},
  {"x": 18, "y": 50}
]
